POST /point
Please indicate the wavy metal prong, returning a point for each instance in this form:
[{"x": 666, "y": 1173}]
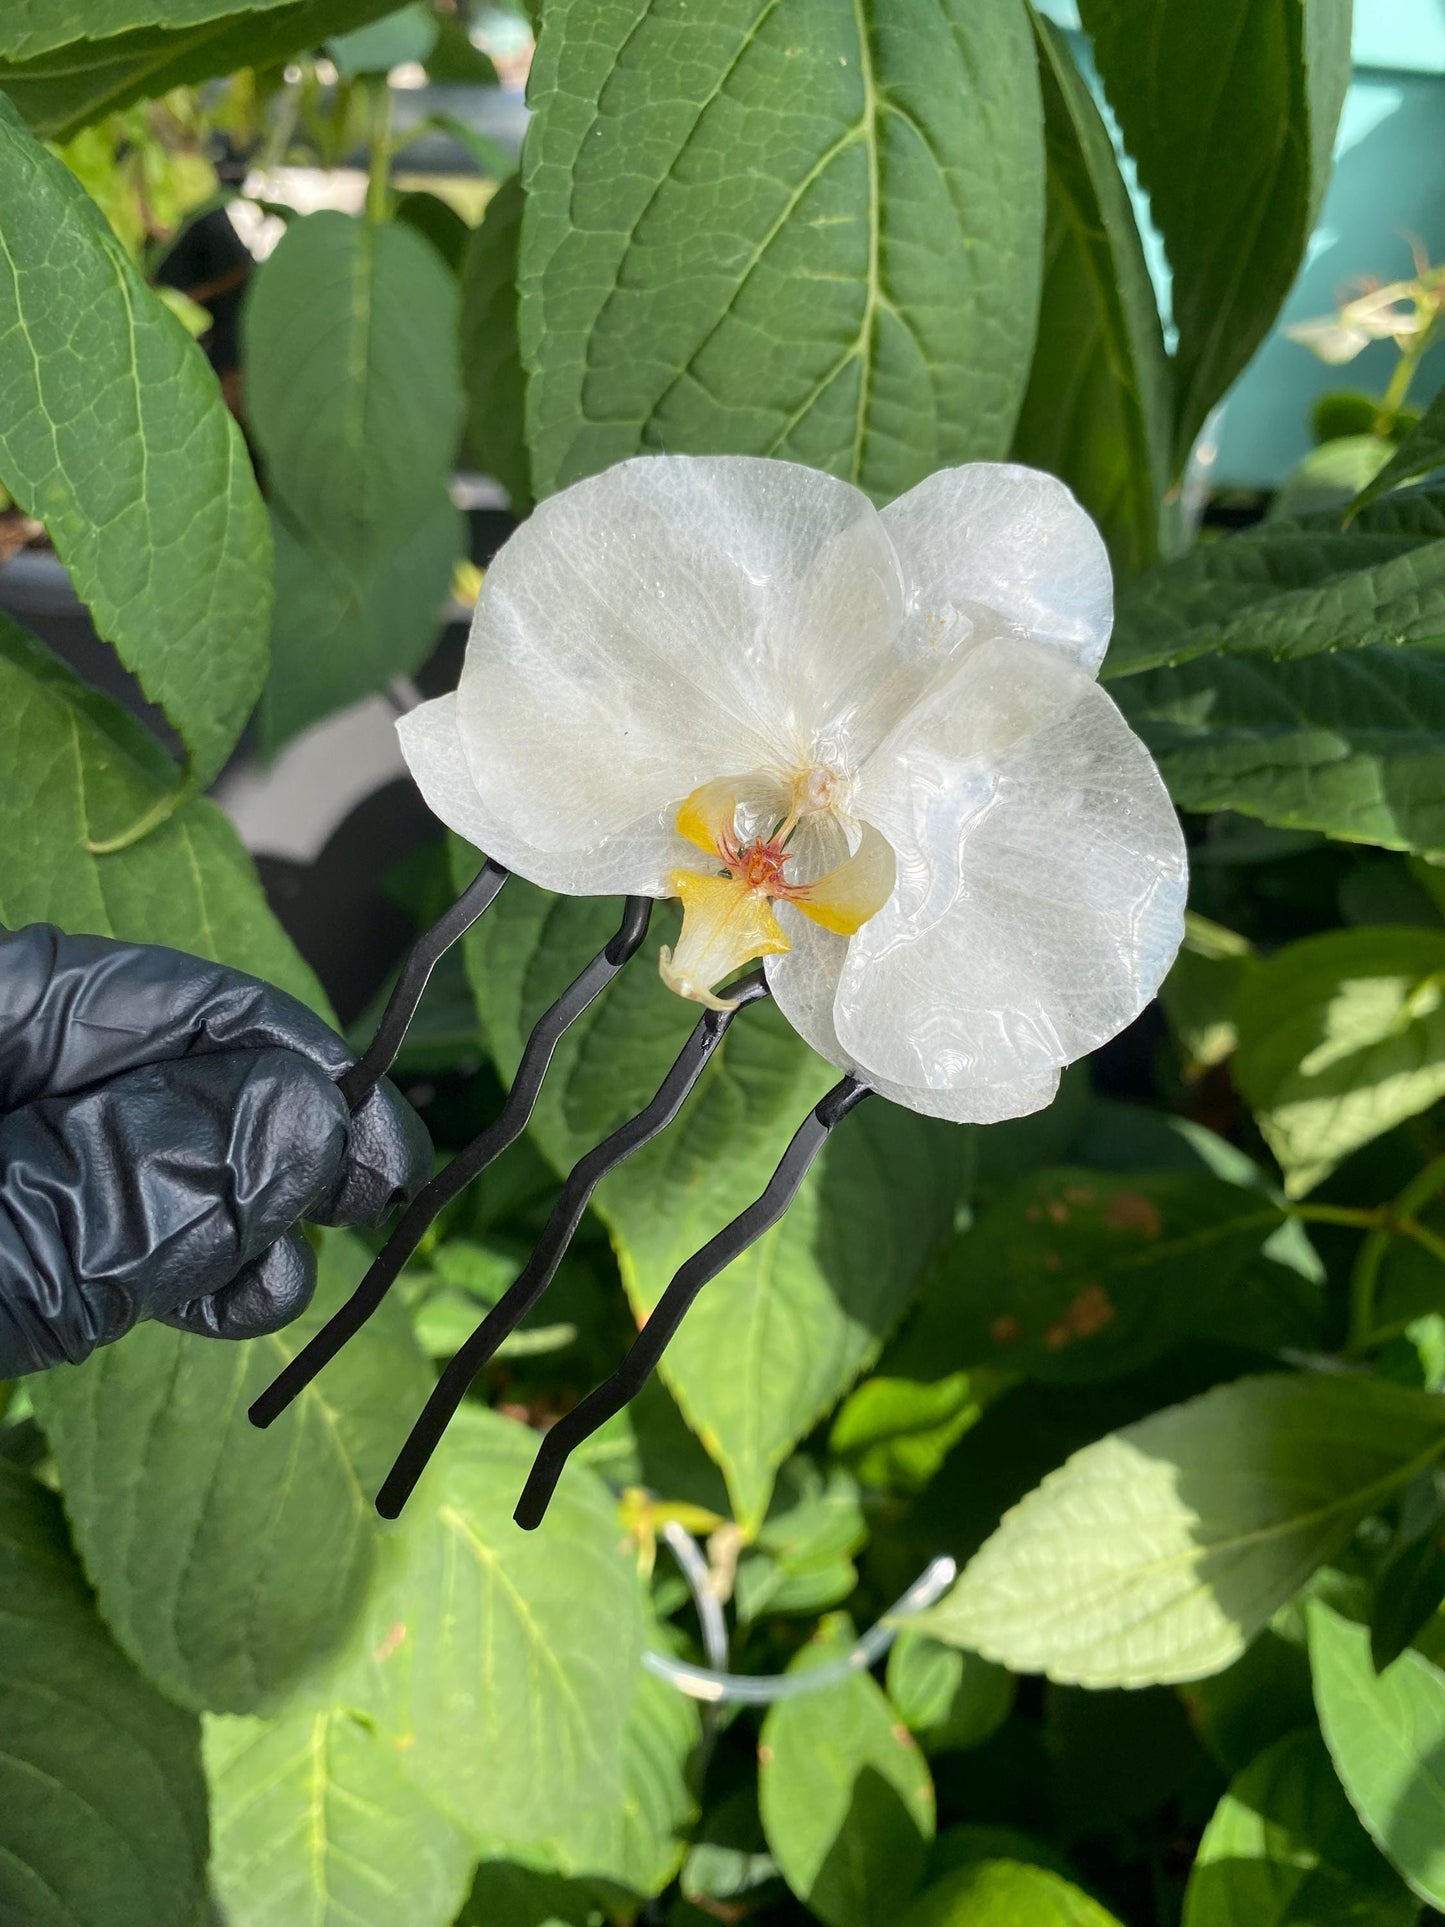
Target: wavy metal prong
[
  {"x": 609, "y": 1397},
  {"x": 557, "y": 1234},
  {"x": 426, "y": 953},
  {"x": 450, "y": 1182}
]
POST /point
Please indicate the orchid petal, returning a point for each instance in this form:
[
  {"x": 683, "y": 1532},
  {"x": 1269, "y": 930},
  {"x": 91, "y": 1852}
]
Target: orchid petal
[
  {"x": 1000, "y": 548},
  {"x": 655, "y": 626},
  {"x": 724, "y": 926},
  {"x": 844, "y": 899},
  {"x": 804, "y": 983},
  {"x": 709, "y": 818},
  {"x": 636, "y": 860},
  {"x": 1041, "y": 878}
]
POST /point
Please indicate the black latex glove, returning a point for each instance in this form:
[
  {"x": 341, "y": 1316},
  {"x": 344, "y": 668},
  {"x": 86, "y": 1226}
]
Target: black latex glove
[{"x": 164, "y": 1124}]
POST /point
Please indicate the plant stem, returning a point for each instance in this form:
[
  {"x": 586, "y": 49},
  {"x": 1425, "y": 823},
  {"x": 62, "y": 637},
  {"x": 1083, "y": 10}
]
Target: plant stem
[
  {"x": 378, "y": 174},
  {"x": 1363, "y": 1280},
  {"x": 1358, "y": 1217}
]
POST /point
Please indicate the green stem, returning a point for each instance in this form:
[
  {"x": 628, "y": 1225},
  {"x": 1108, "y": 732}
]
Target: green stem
[
  {"x": 378, "y": 173},
  {"x": 1423, "y": 1236},
  {"x": 1421, "y": 1188},
  {"x": 1358, "y": 1217},
  {"x": 1363, "y": 1282}
]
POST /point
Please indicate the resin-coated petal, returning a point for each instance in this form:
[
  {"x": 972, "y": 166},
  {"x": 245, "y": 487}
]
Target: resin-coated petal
[
  {"x": 804, "y": 983},
  {"x": 662, "y": 624},
  {"x": 637, "y": 860},
  {"x": 845, "y": 898},
  {"x": 724, "y": 926},
  {"x": 1041, "y": 878},
  {"x": 1001, "y": 547}
]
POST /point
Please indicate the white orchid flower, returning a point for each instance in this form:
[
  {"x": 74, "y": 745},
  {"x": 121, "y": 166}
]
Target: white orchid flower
[{"x": 867, "y": 747}]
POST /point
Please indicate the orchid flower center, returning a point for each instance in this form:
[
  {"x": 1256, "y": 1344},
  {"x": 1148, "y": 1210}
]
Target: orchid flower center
[{"x": 728, "y": 918}]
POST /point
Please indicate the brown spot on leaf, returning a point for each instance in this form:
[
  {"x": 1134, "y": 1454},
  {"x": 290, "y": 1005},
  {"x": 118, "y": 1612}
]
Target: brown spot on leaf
[
  {"x": 1056, "y": 1337},
  {"x": 394, "y": 1636},
  {"x": 1053, "y": 1261},
  {"x": 1006, "y": 1330},
  {"x": 1079, "y": 1193},
  {"x": 1090, "y": 1312},
  {"x": 1058, "y": 1211},
  {"x": 1132, "y": 1211}
]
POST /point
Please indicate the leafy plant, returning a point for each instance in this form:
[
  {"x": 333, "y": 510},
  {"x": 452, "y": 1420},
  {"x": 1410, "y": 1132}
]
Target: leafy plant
[{"x": 1158, "y": 1368}]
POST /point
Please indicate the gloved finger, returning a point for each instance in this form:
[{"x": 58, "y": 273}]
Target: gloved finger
[
  {"x": 79, "y": 1011},
  {"x": 262, "y": 1297},
  {"x": 388, "y": 1159},
  {"x": 156, "y": 1189}
]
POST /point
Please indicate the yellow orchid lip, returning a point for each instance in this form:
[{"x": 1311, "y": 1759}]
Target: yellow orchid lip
[{"x": 727, "y": 915}]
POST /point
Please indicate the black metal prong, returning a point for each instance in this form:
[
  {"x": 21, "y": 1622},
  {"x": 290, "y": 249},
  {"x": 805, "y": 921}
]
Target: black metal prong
[
  {"x": 362, "y": 1079},
  {"x": 668, "y": 1313},
  {"x": 540, "y": 1269},
  {"x": 450, "y": 1182}
]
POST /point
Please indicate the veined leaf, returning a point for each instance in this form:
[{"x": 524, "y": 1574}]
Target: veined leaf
[
  {"x": 1386, "y": 1735},
  {"x": 237, "y": 1558},
  {"x": 102, "y": 1804},
  {"x": 770, "y": 1344},
  {"x": 35, "y": 26},
  {"x": 60, "y": 91},
  {"x": 491, "y": 354},
  {"x": 1341, "y": 1037},
  {"x": 1230, "y": 112},
  {"x": 1352, "y": 744},
  {"x": 1289, "y": 591},
  {"x": 315, "y": 1821},
  {"x": 1097, "y": 411},
  {"x": 499, "y": 1664},
  {"x": 1422, "y": 450},
  {"x": 116, "y": 436},
  {"x": 845, "y": 1795},
  {"x": 1078, "y": 1275},
  {"x": 340, "y": 633},
  {"x": 78, "y": 770},
  {"x": 1158, "y": 1553},
  {"x": 799, "y": 228},
  {"x": 352, "y": 382},
  {"x": 1284, "y": 1849}
]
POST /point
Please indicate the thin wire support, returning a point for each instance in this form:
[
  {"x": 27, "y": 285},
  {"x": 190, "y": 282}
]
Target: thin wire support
[
  {"x": 362, "y": 1079},
  {"x": 749, "y": 1225},
  {"x": 541, "y": 1267},
  {"x": 449, "y": 1183}
]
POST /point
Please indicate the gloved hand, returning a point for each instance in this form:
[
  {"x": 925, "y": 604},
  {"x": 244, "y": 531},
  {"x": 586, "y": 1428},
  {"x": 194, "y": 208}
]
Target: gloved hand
[{"x": 164, "y": 1124}]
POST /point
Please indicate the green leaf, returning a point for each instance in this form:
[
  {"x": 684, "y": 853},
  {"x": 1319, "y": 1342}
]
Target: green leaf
[
  {"x": 1422, "y": 450},
  {"x": 1409, "y": 1592},
  {"x": 1005, "y": 1893},
  {"x": 315, "y": 1821},
  {"x": 1156, "y": 1554},
  {"x": 102, "y": 1804},
  {"x": 1341, "y": 1036},
  {"x": 78, "y": 769},
  {"x": 33, "y": 27},
  {"x": 1200, "y": 992},
  {"x": 409, "y": 34},
  {"x": 633, "y": 1842},
  {"x": 950, "y": 1699},
  {"x": 229, "y": 1560},
  {"x": 506, "y": 1895},
  {"x": 1284, "y": 1849},
  {"x": 845, "y": 1795},
  {"x": 1352, "y": 744},
  {"x": 1386, "y": 1735},
  {"x": 340, "y": 633},
  {"x": 1077, "y": 1275},
  {"x": 60, "y": 91},
  {"x": 810, "y": 231},
  {"x": 1230, "y": 112},
  {"x": 1097, "y": 411},
  {"x": 771, "y": 1343},
  {"x": 116, "y": 436},
  {"x": 501, "y": 1664},
  {"x": 1261, "y": 1698},
  {"x": 1286, "y": 592},
  {"x": 1330, "y": 476},
  {"x": 352, "y": 383},
  {"x": 1280, "y": 682},
  {"x": 895, "y": 1431},
  {"x": 491, "y": 355}
]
